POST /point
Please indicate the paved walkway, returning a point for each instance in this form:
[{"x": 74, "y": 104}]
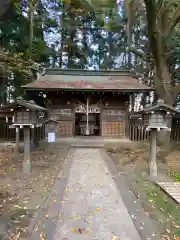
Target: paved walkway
[{"x": 86, "y": 203}]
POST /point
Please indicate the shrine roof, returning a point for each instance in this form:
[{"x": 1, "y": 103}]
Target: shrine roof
[{"x": 55, "y": 79}]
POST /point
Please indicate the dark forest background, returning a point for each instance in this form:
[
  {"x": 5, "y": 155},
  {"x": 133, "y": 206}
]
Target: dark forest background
[{"x": 76, "y": 34}]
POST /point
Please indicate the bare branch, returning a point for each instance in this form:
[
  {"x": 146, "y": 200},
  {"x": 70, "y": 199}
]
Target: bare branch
[
  {"x": 137, "y": 52},
  {"x": 173, "y": 22}
]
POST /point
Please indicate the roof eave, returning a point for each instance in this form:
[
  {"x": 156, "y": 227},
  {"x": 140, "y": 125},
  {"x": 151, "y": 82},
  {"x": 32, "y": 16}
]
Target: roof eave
[{"x": 89, "y": 89}]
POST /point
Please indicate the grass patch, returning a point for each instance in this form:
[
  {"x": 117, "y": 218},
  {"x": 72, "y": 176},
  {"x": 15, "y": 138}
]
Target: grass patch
[
  {"x": 175, "y": 176},
  {"x": 170, "y": 211}
]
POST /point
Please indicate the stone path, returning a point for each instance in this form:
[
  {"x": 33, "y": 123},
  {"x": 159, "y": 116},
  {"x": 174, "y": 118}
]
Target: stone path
[{"x": 86, "y": 203}]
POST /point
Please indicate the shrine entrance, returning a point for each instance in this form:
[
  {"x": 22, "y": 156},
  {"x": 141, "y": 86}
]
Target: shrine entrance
[{"x": 87, "y": 120}]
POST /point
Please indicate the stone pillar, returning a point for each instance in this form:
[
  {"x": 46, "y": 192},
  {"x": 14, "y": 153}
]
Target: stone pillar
[
  {"x": 153, "y": 164},
  {"x": 27, "y": 157},
  {"x": 17, "y": 139}
]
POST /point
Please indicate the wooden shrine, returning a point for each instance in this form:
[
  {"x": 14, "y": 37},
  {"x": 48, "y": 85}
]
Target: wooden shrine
[{"x": 87, "y": 102}]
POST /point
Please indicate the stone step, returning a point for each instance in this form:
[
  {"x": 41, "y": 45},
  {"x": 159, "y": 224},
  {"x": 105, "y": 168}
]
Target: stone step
[{"x": 86, "y": 145}]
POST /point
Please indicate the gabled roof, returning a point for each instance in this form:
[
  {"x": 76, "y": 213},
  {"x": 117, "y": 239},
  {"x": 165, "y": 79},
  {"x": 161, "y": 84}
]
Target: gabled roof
[
  {"x": 160, "y": 105},
  {"x": 106, "y": 80},
  {"x": 28, "y": 104}
]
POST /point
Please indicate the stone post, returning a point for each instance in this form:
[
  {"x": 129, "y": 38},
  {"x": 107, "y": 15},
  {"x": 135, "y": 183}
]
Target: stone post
[
  {"x": 153, "y": 164},
  {"x": 17, "y": 139},
  {"x": 27, "y": 157}
]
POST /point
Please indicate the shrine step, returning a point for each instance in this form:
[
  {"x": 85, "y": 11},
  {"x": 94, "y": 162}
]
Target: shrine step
[{"x": 86, "y": 145}]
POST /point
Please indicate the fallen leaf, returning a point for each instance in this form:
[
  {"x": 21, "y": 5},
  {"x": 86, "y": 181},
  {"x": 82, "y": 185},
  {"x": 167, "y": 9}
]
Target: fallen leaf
[
  {"x": 97, "y": 210},
  {"x": 73, "y": 229},
  {"x": 43, "y": 236},
  {"x": 176, "y": 238},
  {"x": 75, "y": 215},
  {"x": 114, "y": 237},
  {"x": 110, "y": 196},
  {"x": 68, "y": 190}
]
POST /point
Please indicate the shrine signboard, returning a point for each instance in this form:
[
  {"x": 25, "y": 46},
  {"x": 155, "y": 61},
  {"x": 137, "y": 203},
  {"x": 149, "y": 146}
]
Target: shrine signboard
[
  {"x": 60, "y": 114},
  {"x": 114, "y": 114}
]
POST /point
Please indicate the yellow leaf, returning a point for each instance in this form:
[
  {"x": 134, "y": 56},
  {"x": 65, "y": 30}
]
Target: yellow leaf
[
  {"x": 42, "y": 236},
  {"x": 75, "y": 215},
  {"x": 97, "y": 210},
  {"x": 114, "y": 237},
  {"x": 68, "y": 190},
  {"x": 73, "y": 229}
]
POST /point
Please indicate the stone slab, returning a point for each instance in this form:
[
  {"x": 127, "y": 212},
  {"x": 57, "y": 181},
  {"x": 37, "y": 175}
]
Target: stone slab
[{"x": 172, "y": 189}]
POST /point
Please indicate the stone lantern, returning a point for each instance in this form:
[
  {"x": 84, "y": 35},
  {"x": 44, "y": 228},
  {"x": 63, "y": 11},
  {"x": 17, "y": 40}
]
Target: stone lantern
[
  {"x": 157, "y": 118},
  {"x": 27, "y": 115}
]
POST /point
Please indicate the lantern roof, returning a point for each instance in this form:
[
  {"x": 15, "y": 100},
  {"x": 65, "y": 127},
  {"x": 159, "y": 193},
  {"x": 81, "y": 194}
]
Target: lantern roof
[
  {"x": 23, "y": 103},
  {"x": 159, "y": 106},
  {"x": 51, "y": 120}
]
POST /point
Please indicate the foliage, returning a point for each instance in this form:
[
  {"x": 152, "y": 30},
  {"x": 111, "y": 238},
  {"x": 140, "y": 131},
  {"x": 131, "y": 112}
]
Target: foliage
[{"x": 94, "y": 34}]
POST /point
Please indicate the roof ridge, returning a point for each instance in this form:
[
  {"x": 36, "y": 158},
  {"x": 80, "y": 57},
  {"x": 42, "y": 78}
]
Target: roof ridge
[{"x": 88, "y": 72}]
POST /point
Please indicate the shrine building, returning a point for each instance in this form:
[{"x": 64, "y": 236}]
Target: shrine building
[{"x": 86, "y": 102}]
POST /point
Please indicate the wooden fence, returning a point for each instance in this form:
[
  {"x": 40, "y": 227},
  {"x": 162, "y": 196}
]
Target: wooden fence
[
  {"x": 137, "y": 132},
  {"x": 175, "y": 130},
  {"x": 9, "y": 134}
]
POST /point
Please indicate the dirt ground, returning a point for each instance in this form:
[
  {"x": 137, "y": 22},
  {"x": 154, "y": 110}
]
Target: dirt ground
[
  {"x": 134, "y": 162},
  {"x": 22, "y": 196}
]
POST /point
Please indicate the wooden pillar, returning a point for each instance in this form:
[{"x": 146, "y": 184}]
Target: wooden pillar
[
  {"x": 74, "y": 118},
  {"x": 44, "y": 135},
  {"x": 153, "y": 164},
  {"x": 41, "y": 132},
  {"x": 27, "y": 157},
  {"x": 101, "y": 119},
  {"x": 17, "y": 139}
]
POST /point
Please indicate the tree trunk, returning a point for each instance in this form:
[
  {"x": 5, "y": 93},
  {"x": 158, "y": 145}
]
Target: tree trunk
[
  {"x": 31, "y": 28},
  {"x": 163, "y": 91}
]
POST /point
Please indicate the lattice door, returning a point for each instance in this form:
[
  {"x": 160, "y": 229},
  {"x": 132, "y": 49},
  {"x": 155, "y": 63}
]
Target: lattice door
[{"x": 112, "y": 128}]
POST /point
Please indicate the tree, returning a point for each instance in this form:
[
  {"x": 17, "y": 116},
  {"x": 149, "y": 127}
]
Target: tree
[
  {"x": 18, "y": 63},
  {"x": 161, "y": 17}
]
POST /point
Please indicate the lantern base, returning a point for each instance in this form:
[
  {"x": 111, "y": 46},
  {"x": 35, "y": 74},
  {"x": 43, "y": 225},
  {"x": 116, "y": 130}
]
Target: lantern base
[{"x": 27, "y": 167}]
